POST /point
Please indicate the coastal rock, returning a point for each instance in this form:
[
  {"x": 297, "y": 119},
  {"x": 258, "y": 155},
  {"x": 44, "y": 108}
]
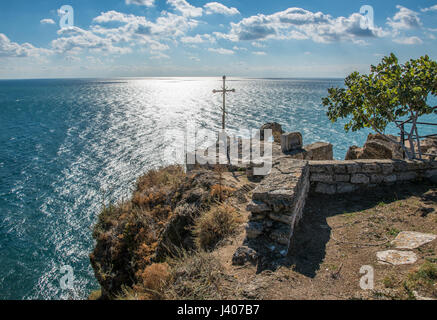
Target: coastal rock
[
  {"x": 395, "y": 257},
  {"x": 276, "y": 130},
  {"x": 319, "y": 151},
  {"x": 354, "y": 153},
  {"x": 243, "y": 255},
  {"x": 412, "y": 240},
  {"x": 427, "y": 144},
  {"x": 291, "y": 141},
  {"x": 377, "y": 146}
]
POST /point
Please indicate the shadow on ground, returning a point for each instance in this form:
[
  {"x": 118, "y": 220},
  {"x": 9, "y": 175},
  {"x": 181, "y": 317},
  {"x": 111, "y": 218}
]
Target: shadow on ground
[{"x": 308, "y": 249}]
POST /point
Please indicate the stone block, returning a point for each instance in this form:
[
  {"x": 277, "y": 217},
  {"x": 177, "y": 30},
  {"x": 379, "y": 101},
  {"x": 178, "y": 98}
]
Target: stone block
[
  {"x": 340, "y": 169},
  {"x": 353, "y": 168},
  {"x": 342, "y": 178},
  {"x": 387, "y": 168},
  {"x": 321, "y": 177},
  {"x": 319, "y": 151},
  {"x": 400, "y": 165},
  {"x": 281, "y": 234},
  {"x": 376, "y": 178},
  {"x": 360, "y": 178},
  {"x": 254, "y": 229},
  {"x": 257, "y": 207},
  {"x": 346, "y": 187},
  {"x": 291, "y": 141},
  {"x": 325, "y": 188},
  {"x": 390, "y": 179},
  {"x": 281, "y": 218},
  {"x": 371, "y": 168},
  {"x": 257, "y": 216},
  {"x": 412, "y": 240},
  {"x": 406, "y": 176},
  {"x": 395, "y": 257}
]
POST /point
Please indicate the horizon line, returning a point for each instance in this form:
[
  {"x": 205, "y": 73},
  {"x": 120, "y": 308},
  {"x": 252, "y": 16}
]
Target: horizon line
[{"x": 168, "y": 77}]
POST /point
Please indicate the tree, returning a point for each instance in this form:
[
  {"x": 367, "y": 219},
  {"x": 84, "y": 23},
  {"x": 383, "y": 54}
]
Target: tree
[{"x": 391, "y": 93}]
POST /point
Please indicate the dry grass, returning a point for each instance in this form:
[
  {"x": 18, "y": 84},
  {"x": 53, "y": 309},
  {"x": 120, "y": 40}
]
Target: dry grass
[
  {"x": 131, "y": 235},
  {"x": 215, "y": 225},
  {"x": 195, "y": 276},
  {"x": 423, "y": 279},
  {"x": 168, "y": 176},
  {"x": 95, "y": 295},
  {"x": 191, "y": 276},
  {"x": 153, "y": 281},
  {"x": 220, "y": 193},
  {"x": 127, "y": 234}
]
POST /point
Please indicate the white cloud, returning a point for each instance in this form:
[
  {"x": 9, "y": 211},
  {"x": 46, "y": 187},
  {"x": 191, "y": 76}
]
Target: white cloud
[
  {"x": 408, "y": 40},
  {"x": 159, "y": 55},
  {"x": 221, "y": 51},
  {"x": 259, "y": 53},
  {"x": 47, "y": 21},
  {"x": 147, "y": 3},
  {"x": 14, "y": 50},
  {"x": 404, "y": 19},
  {"x": 258, "y": 44},
  {"x": 300, "y": 24},
  {"x": 137, "y": 31},
  {"x": 215, "y": 7},
  {"x": 196, "y": 39},
  {"x": 185, "y": 8},
  {"x": 432, "y": 8},
  {"x": 137, "y": 28},
  {"x": 73, "y": 40}
]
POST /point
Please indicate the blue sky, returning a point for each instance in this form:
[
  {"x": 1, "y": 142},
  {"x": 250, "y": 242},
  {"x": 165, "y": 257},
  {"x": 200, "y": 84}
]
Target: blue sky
[{"x": 276, "y": 38}]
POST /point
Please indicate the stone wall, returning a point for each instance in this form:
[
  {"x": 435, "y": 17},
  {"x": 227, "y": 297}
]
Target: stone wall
[
  {"x": 277, "y": 204},
  {"x": 331, "y": 177},
  {"x": 278, "y": 201}
]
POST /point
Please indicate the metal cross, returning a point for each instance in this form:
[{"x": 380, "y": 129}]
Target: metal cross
[{"x": 224, "y": 91}]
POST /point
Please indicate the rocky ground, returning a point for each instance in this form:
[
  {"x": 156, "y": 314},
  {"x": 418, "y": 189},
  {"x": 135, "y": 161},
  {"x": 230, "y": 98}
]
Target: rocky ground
[
  {"x": 337, "y": 236},
  {"x": 335, "y": 240}
]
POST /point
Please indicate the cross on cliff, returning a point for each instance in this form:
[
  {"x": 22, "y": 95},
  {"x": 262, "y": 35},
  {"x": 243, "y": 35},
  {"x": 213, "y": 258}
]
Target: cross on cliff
[{"x": 224, "y": 91}]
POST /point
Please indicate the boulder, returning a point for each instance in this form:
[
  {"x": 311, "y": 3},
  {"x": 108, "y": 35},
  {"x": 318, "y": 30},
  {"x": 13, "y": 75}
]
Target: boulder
[
  {"x": 276, "y": 130},
  {"x": 243, "y": 255},
  {"x": 377, "y": 146},
  {"x": 428, "y": 143},
  {"x": 428, "y": 146},
  {"x": 291, "y": 142},
  {"x": 354, "y": 153}
]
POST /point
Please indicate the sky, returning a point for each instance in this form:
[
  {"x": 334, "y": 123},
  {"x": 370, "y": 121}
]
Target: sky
[{"x": 240, "y": 38}]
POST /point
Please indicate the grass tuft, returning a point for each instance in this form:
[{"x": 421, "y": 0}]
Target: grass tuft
[{"x": 215, "y": 225}]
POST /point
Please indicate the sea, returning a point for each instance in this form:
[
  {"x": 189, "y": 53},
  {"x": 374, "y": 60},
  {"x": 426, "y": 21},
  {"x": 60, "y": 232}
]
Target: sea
[{"x": 67, "y": 146}]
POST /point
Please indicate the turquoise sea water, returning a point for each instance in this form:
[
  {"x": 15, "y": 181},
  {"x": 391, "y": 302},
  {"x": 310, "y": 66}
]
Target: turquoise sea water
[{"x": 65, "y": 145}]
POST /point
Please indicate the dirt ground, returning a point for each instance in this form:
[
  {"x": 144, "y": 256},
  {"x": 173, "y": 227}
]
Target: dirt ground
[{"x": 337, "y": 236}]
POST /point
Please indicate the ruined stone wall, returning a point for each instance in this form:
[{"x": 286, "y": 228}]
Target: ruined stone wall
[
  {"x": 279, "y": 200},
  {"x": 277, "y": 204},
  {"x": 332, "y": 177}
]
